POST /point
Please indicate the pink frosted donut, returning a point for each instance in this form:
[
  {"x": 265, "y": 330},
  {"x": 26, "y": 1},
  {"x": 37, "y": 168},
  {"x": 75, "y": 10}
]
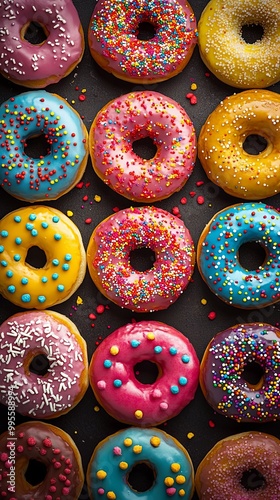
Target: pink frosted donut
[
  {"x": 115, "y": 42},
  {"x": 108, "y": 258},
  {"x": 113, "y": 370},
  {"x": 136, "y": 116},
  {"x": 37, "y": 65},
  {"x": 43, "y": 364}
]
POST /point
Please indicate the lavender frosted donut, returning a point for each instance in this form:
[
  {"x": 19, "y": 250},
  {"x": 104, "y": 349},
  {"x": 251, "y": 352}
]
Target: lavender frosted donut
[
  {"x": 244, "y": 466},
  {"x": 114, "y": 382},
  {"x": 250, "y": 350},
  {"x": 39, "y": 65},
  {"x": 43, "y": 363},
  {"x": 132, "y": 117}
]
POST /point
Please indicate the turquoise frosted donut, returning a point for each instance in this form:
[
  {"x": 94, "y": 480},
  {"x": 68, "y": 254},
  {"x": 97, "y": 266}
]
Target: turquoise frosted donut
[
  {"x": 217, "y": 255},
  {"x": 113, "y": 460},
  {"x": 40, "y": 113}
]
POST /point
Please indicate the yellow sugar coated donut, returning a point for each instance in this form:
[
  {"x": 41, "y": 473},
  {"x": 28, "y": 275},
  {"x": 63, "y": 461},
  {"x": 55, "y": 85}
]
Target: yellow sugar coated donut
[
  {"x": 225, "y": 52},
  {"x": 221, "y": 144},
  {"x": 59, "y": 238}
]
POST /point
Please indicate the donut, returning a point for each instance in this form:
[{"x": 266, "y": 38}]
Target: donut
[
  {"x": 32, "y": 228},
  {"x": 240, "y": 372},
  {"x": 226, "y": 158},
  {"x": 132, "y": 117},
  {"x": 46, "y": 177},
  {"x": 224, "y": 50},
  {"x": 218, "y": 260},
  {"x": 55, "y": 451},
  {"x": 244, "y": 466},
  {"x": 110, "y": 247},
  {"x": 118, "y": 46},
  {"x": 44, "y": 358},
  {"x": 32, "y": 63},
  {"x": 114, "y": 381},
  {"x": 117, "y": 457}
]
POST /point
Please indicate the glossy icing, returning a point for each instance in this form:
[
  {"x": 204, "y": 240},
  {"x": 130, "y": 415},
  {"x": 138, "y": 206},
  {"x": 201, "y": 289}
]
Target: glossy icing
[
  {"x": 52, "y": 447},
  {"x": 221, "y": 144},
  {"x": 226, "y": 53},
  {"x": 38, "y": 65},
  {"x": 114, "y": 458},
  {"x": 116, "y": 386},
  {"x": 222, "y": 372},
  {"x": 59, "y": 238},
  {"x": 27, "y": 335},
  {"x": 108, "y": 258},
  {"x": 218, "y": 255},
  {"x": 120, "y": 51},
  {"x": 220, "y": 472},
  {"x": 134, "y": 116},
  {"x": 47, "y": 177}
]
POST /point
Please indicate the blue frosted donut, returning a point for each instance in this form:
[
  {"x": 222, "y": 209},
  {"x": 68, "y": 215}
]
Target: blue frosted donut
[
  {"x": 217, "y": 255},
  {"x": 40, "y": 113},
  {"x": 114, "y": 459}
]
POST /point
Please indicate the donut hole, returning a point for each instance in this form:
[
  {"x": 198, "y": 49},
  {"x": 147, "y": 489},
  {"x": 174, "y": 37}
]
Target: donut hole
[
  {"x": 252, "y": 479},
  {"x": 36, "y": 146},
  {"x": 141, "y": 477},
  {"x": 36, "y": 472},
  {"x": 251, "y": 255},
  {"x": 254, "y": 144},
  {"x": 144, "y": 148},
  {"x": 252, "y": 33},
  {"x": 34, "y": 33},
  {"x": 39, "y": 365},
  {"x": 146, "y": 372},
  {"x": 145, "y": 31},
  {"x": 142, "y": 259},
  {"x": 36, "y": 257}
]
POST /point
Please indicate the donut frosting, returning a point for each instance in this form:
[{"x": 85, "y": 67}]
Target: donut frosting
[
  {"x": 41, "y": 64},
  {"x": 113, "y": 379},
  {"x": 48, "y": 177},
  {"x": 49, "y": 445},
  {"x": 139, "y": 227},
  {"x": 222, "y": 140},
  {"x": 132, "y": 117},
  {"x": 27, "y": 335},
  {"x": 59, "y": 238},
  {"x": 218, "y": 255},
  {"x": 220, "y": 473},
  {"x": 222, "y": 379},
  {"x": 115, "y": 456},
  {"x": 226, "y": 53},
  {"x": 113, "y": 38}
]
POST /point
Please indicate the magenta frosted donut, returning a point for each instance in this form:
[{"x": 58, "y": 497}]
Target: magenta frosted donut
[
  {"x": 57, "y": 453},
  {"x": 136, "y": 116},
  {"x": 41, "y": 64},
  {"x": 240, "y": 372},
  {"x": 116, "y": 45},
  {"x": 115, "y": 384},
  {"x": 43, "y": 361},
  {"x": 244, "y": 466},
  {"x": 108, "y": 258}
]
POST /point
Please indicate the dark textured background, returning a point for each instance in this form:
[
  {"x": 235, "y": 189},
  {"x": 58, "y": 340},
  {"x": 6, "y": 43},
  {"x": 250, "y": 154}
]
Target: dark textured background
[{"x": 86, "y": 425}]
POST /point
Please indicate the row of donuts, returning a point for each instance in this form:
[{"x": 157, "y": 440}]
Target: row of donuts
[
  {"x": 110, "y": 246},
  {"x": 124, "y": 121},
  {"x": 250, "y": 460},
  {"x": 127, "y": 54},
  {"x": 250, "y": 465},
  {"x": 44, "y": 362}
]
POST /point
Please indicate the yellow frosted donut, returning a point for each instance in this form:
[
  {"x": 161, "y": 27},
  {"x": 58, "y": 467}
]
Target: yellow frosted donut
[
  {"x": 57, "y": 236},
  {"x": 226, "y": 53},
  {"x": 221, "y": 144}
]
